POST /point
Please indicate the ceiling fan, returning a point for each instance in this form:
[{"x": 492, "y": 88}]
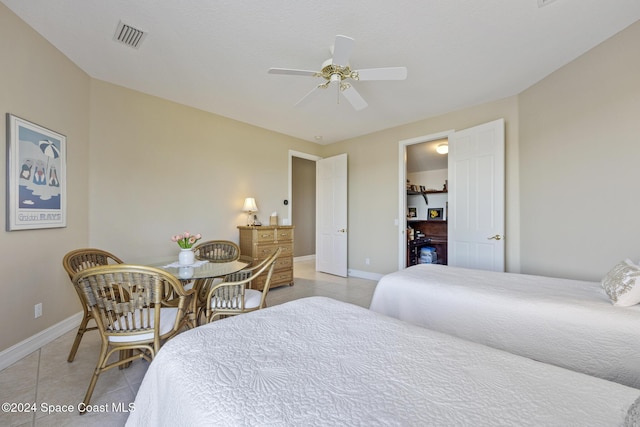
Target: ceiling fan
[{"x": 337, "y": 70}]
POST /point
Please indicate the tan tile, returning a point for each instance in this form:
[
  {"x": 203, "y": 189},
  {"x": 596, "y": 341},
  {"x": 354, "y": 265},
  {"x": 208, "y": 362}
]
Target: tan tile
[
  {"x": 135, "y": 373},
  {"x": 18, "y": 386}
]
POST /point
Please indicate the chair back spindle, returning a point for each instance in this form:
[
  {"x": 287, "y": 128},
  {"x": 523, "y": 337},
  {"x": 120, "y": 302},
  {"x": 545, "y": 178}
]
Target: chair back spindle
[{"x": 217, "y": 251}]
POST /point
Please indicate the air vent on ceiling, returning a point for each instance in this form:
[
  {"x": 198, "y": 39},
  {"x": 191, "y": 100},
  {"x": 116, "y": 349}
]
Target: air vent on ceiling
[{"x": 128, "y": 35}]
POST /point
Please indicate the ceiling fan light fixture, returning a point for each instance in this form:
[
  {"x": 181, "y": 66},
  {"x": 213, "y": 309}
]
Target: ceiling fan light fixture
[
  {"x": 337, "y": 69},
  {"x": 442, "y": 148}
]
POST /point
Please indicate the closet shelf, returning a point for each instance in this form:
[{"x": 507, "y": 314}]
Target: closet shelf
[{"x": 424, "y": 194}]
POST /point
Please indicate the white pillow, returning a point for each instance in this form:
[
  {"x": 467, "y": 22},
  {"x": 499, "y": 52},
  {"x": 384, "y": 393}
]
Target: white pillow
[{"x": 622, "y": 284}]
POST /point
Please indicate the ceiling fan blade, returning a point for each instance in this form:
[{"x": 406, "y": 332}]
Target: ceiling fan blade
[
  {"x": 291, "y": 72},
  {"x": 305, "y": 99},
  {"x": 390, "y": 73},
  {"x": 354, "y": 98},
  {"x": 342, "y": 49}
]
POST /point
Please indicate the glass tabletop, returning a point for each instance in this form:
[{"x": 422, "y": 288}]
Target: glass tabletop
[{"x": 204, "y": 271}]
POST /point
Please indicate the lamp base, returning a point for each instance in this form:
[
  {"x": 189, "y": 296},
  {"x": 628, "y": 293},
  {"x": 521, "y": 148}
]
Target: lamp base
[{"x": 250, "y": 220}]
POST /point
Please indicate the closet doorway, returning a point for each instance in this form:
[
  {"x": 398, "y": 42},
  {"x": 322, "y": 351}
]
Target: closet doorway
[{"x": 426, "y": 174}]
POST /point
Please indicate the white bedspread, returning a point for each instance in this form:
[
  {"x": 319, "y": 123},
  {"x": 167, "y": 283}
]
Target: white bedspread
[
  {"x": 568, "y": 323},
  {"x": 321, "y": 362}
]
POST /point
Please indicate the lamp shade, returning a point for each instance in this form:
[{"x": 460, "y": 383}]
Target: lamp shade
[{"x": 250, "y": 205}]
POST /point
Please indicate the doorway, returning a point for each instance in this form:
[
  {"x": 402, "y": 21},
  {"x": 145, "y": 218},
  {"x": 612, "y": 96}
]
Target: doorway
[
  {"x": 302, "y": 203},
  {"x": 402, "y": 189},
  {"x": 424, "y": 173}
]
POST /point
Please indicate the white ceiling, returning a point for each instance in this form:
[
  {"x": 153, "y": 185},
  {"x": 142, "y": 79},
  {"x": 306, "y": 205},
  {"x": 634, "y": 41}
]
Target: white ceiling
[{"x": 214, "y": 55}]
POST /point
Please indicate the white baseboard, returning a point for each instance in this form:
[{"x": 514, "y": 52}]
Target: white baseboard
[
  {"x": 304, "y": 258},
  {"x": 364, "y": 274},
  {"x": 24, "y": 348}
]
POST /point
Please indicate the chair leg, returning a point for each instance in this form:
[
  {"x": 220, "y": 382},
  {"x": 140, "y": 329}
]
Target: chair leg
[
  {"x": 124, "y": 354},
  {"x": 102, "y": 361},
  {"x": 76, "y": 343}
]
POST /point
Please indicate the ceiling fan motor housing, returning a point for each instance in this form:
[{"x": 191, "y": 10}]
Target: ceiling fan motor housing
[{"x": 329, "y": 69}]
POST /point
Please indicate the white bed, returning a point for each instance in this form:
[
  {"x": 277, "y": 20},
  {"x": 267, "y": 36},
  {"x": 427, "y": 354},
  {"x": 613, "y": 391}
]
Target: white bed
[
  {"x": 321, "y": 362},
  {"x": 569, "y": 323}
]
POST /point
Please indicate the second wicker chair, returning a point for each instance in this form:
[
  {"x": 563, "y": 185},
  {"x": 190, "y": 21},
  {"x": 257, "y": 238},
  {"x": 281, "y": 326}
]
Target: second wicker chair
[
  {"x": 217, "y": 251},
  {"x": 234, "y": 296}
]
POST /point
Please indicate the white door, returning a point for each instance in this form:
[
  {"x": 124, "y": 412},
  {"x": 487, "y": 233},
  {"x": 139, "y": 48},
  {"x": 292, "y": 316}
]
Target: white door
[
  {"x": 331, "y": 215},
  {"x": 476, "y": 197}
]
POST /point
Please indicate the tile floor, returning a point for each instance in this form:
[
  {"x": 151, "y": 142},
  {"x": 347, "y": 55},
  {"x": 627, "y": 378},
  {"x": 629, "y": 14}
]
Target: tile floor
[{"x": 47, "y": 381}]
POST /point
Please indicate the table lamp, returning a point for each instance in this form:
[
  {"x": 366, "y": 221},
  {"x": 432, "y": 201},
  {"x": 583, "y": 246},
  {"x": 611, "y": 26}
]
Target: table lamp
[{"x": 250, "y": 207}]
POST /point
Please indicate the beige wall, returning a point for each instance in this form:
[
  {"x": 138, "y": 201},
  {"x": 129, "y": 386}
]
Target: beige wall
[
  {"x": 159, "y": 168},
  {"x": 579, "y": 145},
  {"x": 39, "y": 84}
]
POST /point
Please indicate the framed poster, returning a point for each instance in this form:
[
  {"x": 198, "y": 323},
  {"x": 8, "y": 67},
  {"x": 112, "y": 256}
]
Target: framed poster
[
  {"x": 435, "y": 214},
  {"x": 36, "y": 176}
]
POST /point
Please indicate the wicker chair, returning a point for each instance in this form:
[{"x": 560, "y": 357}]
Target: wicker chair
[
  {"x": 217, "y": 251},
  {"x": 214, "y": 251},
  {"x": 74, "y": 262},
  {"x": 129, "y": 305},
  {"x": 233, "y": 295}
]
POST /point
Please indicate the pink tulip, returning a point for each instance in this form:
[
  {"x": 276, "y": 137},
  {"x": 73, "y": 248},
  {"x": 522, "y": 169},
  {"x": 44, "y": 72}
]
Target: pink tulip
[{"x": 186, "y": 239}]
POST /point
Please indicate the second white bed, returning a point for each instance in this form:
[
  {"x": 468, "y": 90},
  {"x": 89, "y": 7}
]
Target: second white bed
[{"x": 568, "y": 323}]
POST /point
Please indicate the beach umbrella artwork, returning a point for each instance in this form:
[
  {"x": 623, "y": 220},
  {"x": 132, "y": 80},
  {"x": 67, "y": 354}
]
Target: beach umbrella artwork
[{"x": 49, "y": 150}]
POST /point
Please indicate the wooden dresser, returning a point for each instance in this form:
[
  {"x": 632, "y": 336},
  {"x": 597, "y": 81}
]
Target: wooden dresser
[{"x": 258, "y": 242}]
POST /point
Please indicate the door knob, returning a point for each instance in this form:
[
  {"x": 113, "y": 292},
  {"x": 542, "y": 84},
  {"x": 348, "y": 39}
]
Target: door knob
[
  {"x": 342, "y": 230},
  {"x": 496, "y": 237}
]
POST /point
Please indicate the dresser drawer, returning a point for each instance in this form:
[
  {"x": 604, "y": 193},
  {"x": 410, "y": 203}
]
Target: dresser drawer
[
  {"x": 284, "y": 234},
  {"x": 265, "y": 235},
  {"x": 284, "y": 262},
  {"x": 263, "y": 251}
]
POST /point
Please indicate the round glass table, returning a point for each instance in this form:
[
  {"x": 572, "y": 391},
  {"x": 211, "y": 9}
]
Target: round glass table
[{"x": 198, "y": 272}]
